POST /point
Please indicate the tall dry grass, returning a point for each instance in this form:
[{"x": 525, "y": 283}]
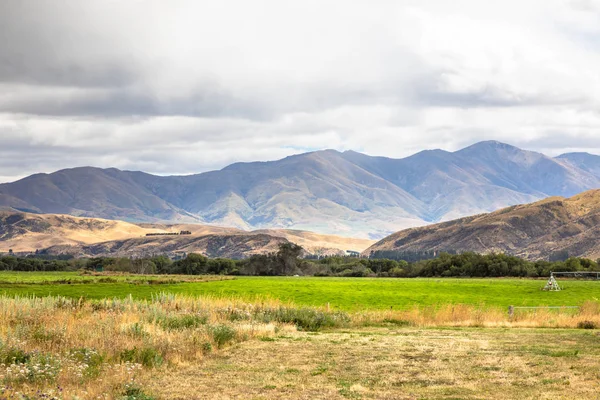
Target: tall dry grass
[
  {"x": 462, "y": 315},
  {"x": 60, "y": 348}
]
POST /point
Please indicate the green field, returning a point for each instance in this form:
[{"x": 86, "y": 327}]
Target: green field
[{"x": 350, "y": 294}]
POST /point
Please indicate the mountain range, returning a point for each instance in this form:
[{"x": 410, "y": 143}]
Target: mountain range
[
  {"x": 533, "y": 231},
  {"x": 343, "y": 193}
]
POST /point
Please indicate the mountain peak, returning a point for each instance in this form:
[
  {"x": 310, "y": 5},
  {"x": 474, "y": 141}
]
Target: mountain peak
[
  {"x": 323, "y": 190},
  {"x": 578, "y": 154},
  {"x": 490, "y": 144}
]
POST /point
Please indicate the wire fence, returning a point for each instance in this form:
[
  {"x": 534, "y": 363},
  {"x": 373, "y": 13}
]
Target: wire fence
[{"x": 511, "y": 309}]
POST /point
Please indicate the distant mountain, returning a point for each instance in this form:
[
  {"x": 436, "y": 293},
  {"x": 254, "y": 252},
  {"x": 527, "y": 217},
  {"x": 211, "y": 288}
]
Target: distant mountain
[
  {"x": 585, "y": 161},
  {"x": 64, "y": 234},
  {"x": 532, "y": 231},
  {"x": 348, "y": 193}
]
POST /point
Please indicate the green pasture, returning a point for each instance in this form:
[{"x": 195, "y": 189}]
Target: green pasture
[{"x": 352, "y": 294}]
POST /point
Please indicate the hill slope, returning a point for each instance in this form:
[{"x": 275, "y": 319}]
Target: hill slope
[
  {"x": 532, "y": 231},
  {"x": 326, "y": 191},
  {"x": 24, "y": 232}
]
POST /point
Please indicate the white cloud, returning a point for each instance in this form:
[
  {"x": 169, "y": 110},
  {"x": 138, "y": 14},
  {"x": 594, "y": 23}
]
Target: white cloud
[{"x": 186, "y": 86}]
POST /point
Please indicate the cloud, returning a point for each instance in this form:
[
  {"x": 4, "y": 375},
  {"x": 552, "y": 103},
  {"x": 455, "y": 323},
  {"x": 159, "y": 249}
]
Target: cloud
[{"x": 188, "y": 86}]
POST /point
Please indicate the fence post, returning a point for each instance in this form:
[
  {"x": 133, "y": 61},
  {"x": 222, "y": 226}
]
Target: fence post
[{"x": 511, "y": 311}]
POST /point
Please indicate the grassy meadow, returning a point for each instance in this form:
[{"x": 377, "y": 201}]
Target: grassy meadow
[
  {"x": 349, "y": 294},
  {"x": 105, "y": 336}
]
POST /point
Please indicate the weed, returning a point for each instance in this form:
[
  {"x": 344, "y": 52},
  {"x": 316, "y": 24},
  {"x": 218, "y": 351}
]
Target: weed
[
  {"x": 87, "y": 362},
  {"x": 397, "y": 322},
  {"x": 320, "y": 370},
  {"x": 206, "y": 347},
  {"x": 307, "y": 319},
  {"x": 222, "y": 334},
  {"x": 587, "y": 325},
  {"x": 13, "y": 355},
  {"x": 147, "y": 356},
  {"x": 134, "y": 392},
  {"x": 180, "y": 322}
]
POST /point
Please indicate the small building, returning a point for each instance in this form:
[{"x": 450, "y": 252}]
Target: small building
[{"x": 352, "y": 253}]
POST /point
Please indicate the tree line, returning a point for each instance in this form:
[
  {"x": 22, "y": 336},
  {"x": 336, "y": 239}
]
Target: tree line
[{"x": 287, "y": 261}]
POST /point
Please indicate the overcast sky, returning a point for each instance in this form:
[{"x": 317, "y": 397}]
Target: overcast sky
[{"x": 177, "y": 87}]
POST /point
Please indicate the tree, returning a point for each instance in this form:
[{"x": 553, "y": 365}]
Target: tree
[
  {"x": 193, "y": 264},
  {"x": 287, "y": 258},
  {"x": 163, "y": 264}
]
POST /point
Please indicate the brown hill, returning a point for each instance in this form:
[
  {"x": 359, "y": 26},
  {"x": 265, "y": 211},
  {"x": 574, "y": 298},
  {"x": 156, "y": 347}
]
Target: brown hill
[
  {"x": 533, "y": 231},
  {"x": 26, "y": 232},
  {"x": 213, "y": 245}
]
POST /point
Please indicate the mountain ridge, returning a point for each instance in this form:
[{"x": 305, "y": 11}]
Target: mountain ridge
[
  {"x": 345, "y": 193},
  {"x": 65, "y": 234},
  {"x": 533, "y": 231}
]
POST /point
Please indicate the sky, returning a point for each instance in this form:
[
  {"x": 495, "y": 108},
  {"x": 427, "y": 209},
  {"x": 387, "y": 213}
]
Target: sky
[{"x": 180, "y": 87}]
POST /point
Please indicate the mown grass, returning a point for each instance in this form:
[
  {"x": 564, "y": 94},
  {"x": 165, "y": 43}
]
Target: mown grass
[
  {"x": 349, "y": 294},
  {"x": 411, "y": 363}
]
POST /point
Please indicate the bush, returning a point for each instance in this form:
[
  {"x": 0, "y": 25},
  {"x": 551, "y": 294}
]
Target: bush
[
  {"x": 397, "y": 272},
  {"x": 13, "y": 356},
  {"x": 587, "y": 325},
  {"x": 180, "y": 322},
  {"x": 222, "y": 334},
  {"x": 307, "y": 319},
  {"x": 136, "y": 331},
  {"x": 89, "y": 358},
  {"x": 148, "y": 356},
  {"x": 134, "y": 392},
  {"x": 206, "y": 347}
]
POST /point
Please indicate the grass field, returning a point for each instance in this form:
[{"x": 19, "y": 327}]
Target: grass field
[
  {"x": 381, "y": 363},
  {"x": 257, "y": 338},
  {"x": 351, "y": 294},
  {"x": 176, "y": 347}
]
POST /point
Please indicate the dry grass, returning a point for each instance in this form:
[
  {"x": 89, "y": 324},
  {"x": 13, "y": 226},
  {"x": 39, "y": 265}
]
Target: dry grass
[
  {"x": 183, "y": 347},
  {"x": 61, "y": 347},
  {"x": 407, "y": 363},
  {"x": 462, "y": 315}
]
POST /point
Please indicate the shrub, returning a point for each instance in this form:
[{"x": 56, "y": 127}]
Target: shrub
[
  {"x": 206, "y": 347},
  {"x": 397, "y": 272},
  {"x": 180, "y": 322},
  {"x": 136, "y": 331},
  {"x": 133, "y": 392},
  {"x": 89, "y": 361},
  {"x": 13, "y": 356},
  {"x": 398, "y": 322},
  {"x": 307, "y": 319},
  {"x": 148, "y": 357},
  {"x": 37, "y": 368},
  {"x": 587, "y": 325},
  {"x": 222, "y": 334}
]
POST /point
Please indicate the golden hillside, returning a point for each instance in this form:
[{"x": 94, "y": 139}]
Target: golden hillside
[
  {"x": 533, "y": 231},
  {"x": 25, "y": 232}
]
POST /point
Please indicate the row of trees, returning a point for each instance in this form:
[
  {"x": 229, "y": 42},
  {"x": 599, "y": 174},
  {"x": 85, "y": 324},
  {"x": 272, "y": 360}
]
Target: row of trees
[{"x": 287, "y": 261}]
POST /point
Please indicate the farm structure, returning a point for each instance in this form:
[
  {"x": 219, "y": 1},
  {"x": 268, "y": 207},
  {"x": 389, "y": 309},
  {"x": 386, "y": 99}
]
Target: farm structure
[{"x": 169, "y": 233}]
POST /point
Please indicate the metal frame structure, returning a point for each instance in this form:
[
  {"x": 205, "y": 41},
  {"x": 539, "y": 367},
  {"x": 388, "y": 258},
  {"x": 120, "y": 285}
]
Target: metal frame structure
[{"x": 553, "y": 286}]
